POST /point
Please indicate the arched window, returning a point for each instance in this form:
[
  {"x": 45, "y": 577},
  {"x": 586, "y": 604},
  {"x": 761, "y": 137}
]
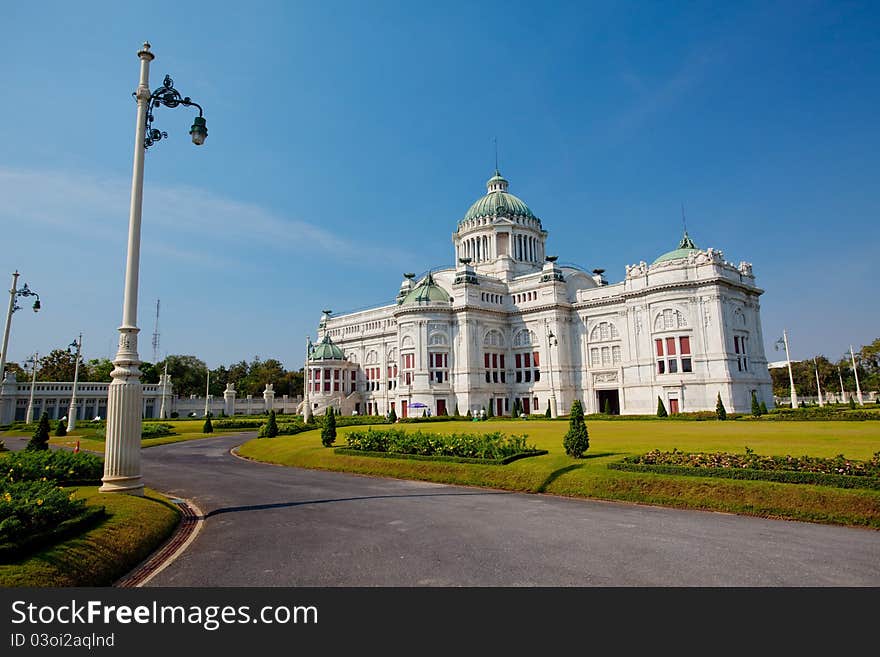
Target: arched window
[
  {"x": 493, "y": 338},
  {"x": 604, "y": 331},
  {"x": 670, "y": 320}
]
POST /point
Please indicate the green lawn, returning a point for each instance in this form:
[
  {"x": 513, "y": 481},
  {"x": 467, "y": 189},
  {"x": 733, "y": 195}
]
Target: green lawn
[
  {"x": 609, "y": 441},
  {"x": 133, "y": 528}
]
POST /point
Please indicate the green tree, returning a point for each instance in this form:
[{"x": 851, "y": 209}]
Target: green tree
[
  {"x": 187, "y": 373},
  {"x": 40, "y": 440},
  {"x": 392, "y": 416},
  {"x": 661, "y": 409},
  {"x": 517, "y": 409},
  {"x": 607, "y": 409},
  {"x": 270, "y": 430},
  {"x": 852, "y": 402},
  {"x": 97, "y": 370},
  {"x": 455, "y": 412},
  {"x": 489, "y": 409},
  {"x": 763, "y": 408},
  {"x": 756, "y": 407},
  {"x": 208, "y": 427},
  {"x": 547, "y": 413},
  {"x": 328, "y": 431},
  {"x": 720, "y": 411},
  {"x": 58, "y": 365},
  {"x": 61, "y": 429},
  {"x": 577, "y": 440}
]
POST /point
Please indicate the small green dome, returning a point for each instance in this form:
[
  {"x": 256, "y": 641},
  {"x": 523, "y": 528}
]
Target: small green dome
[
  {"x": 685, "y": 248},
  {"x": 426, "y": 292},
  {"x": 326, "y": 350},
  {"x": 498, "y": 201}
]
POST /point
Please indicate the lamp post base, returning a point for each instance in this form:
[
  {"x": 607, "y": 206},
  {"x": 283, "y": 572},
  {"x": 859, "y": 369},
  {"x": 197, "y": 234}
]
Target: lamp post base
[{"x": 129, "y": 485}]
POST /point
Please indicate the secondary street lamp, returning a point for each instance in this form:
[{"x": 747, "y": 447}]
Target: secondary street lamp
[
  {"x": 71, "y": 411},
  {"x": 14, "y": 293},
  {"x": 856, "y": 374},
  {"x": 551, "y": 342},
  {"x": 784, "y": 340},
  {"x": 122, "y": 462},
  {"x": 34, "y": 361}
]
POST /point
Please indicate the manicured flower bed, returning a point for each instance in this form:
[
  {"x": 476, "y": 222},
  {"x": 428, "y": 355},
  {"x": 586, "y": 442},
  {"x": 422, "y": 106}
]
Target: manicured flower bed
[
  {"x": 495, "y": 447},
  {"x": 839, "y": 471},
  {"x": 51, "y": 465},
  {"x": 32, "y": 512}
]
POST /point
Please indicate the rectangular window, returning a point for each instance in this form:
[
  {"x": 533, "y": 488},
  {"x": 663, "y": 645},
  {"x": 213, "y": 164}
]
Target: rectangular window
[
  {"x": 594, "y": 357},
  {"x": 736, "y": 344},
  {"x": 486, "y": 360},
  {"x": 494, "y": 360},
  {"x": 537, "y": 375},
  {"x": 661, "y": 367},
  {"x": 673, "y": 366},
  {"x": 670, "y": 346},
  {"x": 535, "y": 359},
  {"x": 528, "y": 375},
  {"x": 519, "y": 376},
  {"x": 527, "y": 360},
  {"x": 659, "y": 344},
  {"x": 615, "y": 355},
  {"x": 517, "y": 359},
  {"x": 685, "y": 344},
  {"x": 686, "y": 365}
]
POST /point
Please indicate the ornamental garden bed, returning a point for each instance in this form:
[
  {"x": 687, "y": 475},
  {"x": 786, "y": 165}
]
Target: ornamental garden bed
[
  {"x": 487, "y": 449},
  {"x": 838, "y": 471}
]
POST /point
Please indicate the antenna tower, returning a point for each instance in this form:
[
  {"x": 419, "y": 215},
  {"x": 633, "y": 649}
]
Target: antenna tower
[{"x": 156, "y": 335}]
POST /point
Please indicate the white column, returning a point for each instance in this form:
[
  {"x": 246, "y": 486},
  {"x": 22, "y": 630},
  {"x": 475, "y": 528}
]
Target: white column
[
  {"x": 122, "y": 451},
  {"x": 856, "y": 374},
  {"x": 229, "y": 400},
  {"x": 207, "y": 393},
  {"x": 842, "y": 392},
  {"x": 163, "y": 411}
]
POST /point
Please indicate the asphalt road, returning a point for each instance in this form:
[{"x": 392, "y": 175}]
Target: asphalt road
[{"x": 275, "y": 526}]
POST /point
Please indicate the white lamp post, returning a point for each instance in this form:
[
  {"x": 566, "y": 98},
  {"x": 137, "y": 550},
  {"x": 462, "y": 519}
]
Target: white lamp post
[
  {"x": 71, "y": 411},
  {"x": 842, "y": 392},
  {"x": 551, "y": 341},
  {"x": 307, "y": 405},
  {"x": 14, "y": 293},
  {"x": 122, "y": 454},
  {"x": 784, "y": 340},
  {"x": 29, "y": 417},
  {"x": 818, "y": 386},
  {"x": 856, "y": 374},
  {"x": 207, "y": 389},
  {"x": 162, "y": 410}
]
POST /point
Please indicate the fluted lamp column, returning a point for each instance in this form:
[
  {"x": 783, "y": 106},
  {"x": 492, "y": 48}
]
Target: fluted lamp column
[{"x": 122, "y": 451}]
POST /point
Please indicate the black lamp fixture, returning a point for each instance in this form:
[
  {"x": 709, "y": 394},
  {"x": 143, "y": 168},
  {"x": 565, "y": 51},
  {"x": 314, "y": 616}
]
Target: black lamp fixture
[{"x": 168, "y": 96}]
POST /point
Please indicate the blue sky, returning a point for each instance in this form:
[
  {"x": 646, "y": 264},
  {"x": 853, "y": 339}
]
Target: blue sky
[{"x": 347, "y": 139}]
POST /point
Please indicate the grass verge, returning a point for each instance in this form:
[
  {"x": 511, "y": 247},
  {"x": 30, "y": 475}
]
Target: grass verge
[
  {"x": 132, "y": 529},
  {"x": 590, "y": 477}
]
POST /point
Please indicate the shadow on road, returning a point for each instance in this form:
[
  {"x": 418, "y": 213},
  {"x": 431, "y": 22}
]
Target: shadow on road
[{"x": 282, "y": 505}]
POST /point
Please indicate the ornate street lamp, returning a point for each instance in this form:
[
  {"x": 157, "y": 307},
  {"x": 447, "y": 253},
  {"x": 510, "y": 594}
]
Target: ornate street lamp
[
  {"x": 35, "y": 364},
  {"x": 14, "y": 293},
  {"x": 71, "y": 411},
  {"x": 122, "y": 462},
  {"x": 551, "y": 342}
]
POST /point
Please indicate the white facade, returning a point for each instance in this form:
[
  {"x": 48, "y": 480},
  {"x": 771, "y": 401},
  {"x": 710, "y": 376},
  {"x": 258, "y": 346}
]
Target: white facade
[{"x": 507, "y": 323}]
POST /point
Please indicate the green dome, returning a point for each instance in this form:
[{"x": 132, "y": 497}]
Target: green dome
[
  {"x": 326, "y": 350},
  {"x": 498, "y": 202},
  {"x": 426, "y": 292},
  {"x": 685, "y": 248}
]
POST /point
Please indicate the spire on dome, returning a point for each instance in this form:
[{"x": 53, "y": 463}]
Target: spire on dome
[{"x": 686, "y": 242}]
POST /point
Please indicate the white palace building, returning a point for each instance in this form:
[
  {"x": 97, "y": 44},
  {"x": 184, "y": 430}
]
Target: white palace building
[{"x": 507, "y": 323}]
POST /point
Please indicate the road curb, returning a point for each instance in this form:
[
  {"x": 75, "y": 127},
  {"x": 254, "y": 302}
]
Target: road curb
[{"x": 192, "y": 519}]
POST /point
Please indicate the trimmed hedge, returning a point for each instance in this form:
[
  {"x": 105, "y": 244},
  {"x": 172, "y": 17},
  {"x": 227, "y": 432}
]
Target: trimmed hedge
[
  {"x": 781, "y": 476},
  {"x": 495, "y": 445},
  {"x": 148, "y": 430},
  {"x": 448, "y": 459},
  {"x": 24, "y": 545}
]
